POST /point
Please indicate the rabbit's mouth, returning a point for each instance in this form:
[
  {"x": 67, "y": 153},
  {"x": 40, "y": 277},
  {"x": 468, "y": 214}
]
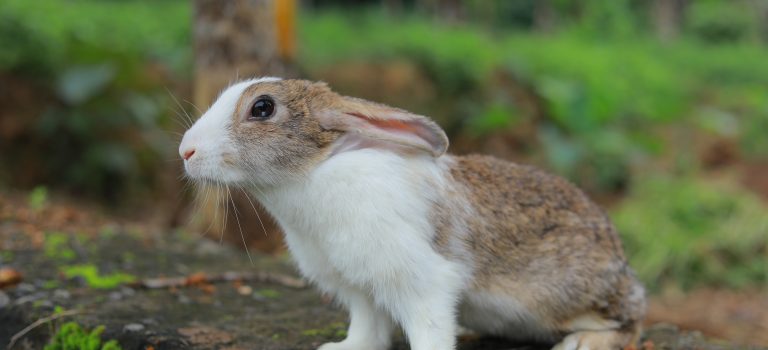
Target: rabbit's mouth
[{"x": 213, "y": 170}]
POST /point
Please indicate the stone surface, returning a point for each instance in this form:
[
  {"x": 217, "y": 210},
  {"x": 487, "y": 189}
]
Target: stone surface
[
  {"x": 226, "y": 315},
  {"x": 4, "y": 299},
  {"x": 133, "y": 327}
]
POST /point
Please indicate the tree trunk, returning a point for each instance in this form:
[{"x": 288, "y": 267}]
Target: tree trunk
[
  {"x": 452, "y": 11},
  {"x": 761, "y": 7},
  {"x": 543, "y": 16},
  {"x": 233, "y": 40},
  {"x": 667, "y": 16},
  {"x": 393, "y": 7}
]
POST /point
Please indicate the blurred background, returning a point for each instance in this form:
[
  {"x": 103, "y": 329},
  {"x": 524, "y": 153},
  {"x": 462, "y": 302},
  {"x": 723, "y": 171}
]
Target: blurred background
[{"x": 657, "y": 108}]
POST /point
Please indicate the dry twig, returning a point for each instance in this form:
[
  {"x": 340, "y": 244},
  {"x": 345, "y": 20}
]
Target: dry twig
[
  {"x": 202, "y": 278},
  {"x": 40, "y": 322}
]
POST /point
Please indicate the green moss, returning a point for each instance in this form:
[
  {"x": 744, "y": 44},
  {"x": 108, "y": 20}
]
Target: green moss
[
  {"x": 6, "y": 256},
  {"x": 268, "y": 293},
  {"x": 128, "y": 257},
  {"x": 51, "y": 284},
  {"x": 73, "y": 337},
  {"x": 38, "y": 304},
  {"x": 92, "y": 277},
  {"x": 334, "y": 330}
]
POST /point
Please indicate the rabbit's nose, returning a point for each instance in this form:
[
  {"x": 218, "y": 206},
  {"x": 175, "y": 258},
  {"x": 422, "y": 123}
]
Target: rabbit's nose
[{"x": 188, "y": 154}]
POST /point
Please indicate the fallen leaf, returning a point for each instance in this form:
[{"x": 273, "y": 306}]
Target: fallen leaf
[
  {"x": 208, "y": 288},
  {"x": 9, "y": 277},
  {"x": 196, "y": 279},
  {"x": 648, "y": 345},
  {"x": 200, "y": 335}
]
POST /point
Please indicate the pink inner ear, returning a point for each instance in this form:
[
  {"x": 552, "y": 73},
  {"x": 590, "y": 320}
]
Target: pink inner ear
[
  {"x": 403, "y": 131},
  {"x": 388, "y": 124}
]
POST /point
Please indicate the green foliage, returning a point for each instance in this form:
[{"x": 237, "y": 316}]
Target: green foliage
[
  {"x": 688, "y": 232},
  {"x": 455, "y": 58},
  {"x": 607, "y": 19},
  {"x": 23, "y": 51},
  {"x": 139, "y": 29},
  {"x": 90, "y": 274},
  {"x": 102, "y": 69},
  {"x": 73, "y": 337},
  {"x": 497, "y": 116},
  {"x": 720, "y": 21}
]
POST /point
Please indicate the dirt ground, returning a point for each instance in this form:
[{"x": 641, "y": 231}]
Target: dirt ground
[{"x": 183, "y": 295}]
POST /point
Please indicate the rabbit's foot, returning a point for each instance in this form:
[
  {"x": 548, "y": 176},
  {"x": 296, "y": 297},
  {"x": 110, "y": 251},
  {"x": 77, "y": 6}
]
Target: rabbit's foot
[
  {"x": 348, "y": 345},
  {"x": 595, "y": 340}
]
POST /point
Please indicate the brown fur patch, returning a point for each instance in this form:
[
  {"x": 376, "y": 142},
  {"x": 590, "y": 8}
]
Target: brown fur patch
[{"x": 537, "y": 238}]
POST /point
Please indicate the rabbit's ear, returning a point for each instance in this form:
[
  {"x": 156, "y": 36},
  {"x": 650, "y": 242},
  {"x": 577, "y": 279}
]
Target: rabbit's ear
[{"x": 370, "y": 124}]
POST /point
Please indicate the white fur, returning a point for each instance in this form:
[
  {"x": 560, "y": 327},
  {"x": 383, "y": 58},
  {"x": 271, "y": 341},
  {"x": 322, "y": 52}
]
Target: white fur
[{"x": 359, "y": 228}]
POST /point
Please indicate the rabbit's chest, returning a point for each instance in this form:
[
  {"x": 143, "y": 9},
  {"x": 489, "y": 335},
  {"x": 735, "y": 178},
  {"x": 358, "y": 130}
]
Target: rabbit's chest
[{"x": 357, "y": 217}]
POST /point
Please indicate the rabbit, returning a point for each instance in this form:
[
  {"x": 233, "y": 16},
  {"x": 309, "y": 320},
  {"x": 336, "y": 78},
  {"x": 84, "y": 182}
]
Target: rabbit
[{"x": 377, "y": 215}]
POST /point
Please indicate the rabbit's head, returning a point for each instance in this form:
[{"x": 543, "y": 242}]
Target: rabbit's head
[{"x": 265, "y": 131}]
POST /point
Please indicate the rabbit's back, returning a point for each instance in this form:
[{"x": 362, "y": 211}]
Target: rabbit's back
[{"x": 538, "y": 238}]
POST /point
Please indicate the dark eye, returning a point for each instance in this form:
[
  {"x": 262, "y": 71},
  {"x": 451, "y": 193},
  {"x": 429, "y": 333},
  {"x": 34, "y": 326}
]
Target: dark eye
[{"x": 262, "y": 109}]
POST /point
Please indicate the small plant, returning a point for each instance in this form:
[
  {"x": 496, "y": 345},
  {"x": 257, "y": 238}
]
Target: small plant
[
  {"x": 73, "y": 337},
  {"x": 56, "y": 247},
  {"x": 92, "y": 277},
  {"x": 38, "y": 198}
]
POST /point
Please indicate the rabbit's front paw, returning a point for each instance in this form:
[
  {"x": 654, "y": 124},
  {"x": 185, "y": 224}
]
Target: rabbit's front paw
[{"x": 346, "y": 345}]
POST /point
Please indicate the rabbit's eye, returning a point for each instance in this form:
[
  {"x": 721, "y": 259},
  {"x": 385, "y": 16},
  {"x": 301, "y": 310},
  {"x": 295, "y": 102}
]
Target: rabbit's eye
[{"x": 262, "y": 109}]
